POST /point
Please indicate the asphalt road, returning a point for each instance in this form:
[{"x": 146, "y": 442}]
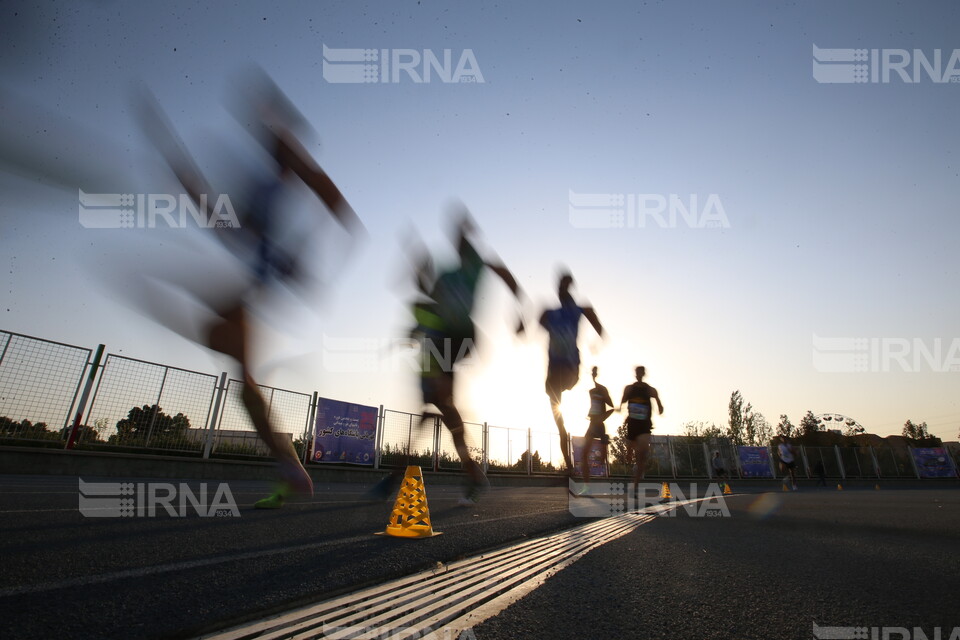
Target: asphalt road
[{"x": 852, "y": 558}]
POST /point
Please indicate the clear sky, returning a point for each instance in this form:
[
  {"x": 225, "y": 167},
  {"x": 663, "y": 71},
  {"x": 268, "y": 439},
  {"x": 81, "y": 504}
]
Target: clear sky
[{"x": 836, "y": 203}]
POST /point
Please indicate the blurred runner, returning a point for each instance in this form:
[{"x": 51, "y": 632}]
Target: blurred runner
[
  {"x": 446, "y": 333},
  {"x": 264, "y": 258},
  {"x": 563, "y": 366},
  {"x": 788, "y": 464}
]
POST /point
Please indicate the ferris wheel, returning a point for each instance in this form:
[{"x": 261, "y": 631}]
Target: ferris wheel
[{"x": 839, "y": 421}]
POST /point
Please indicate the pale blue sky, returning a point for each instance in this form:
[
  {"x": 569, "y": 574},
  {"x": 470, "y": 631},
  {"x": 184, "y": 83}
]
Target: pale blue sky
[{"x": 841, "y": 198}]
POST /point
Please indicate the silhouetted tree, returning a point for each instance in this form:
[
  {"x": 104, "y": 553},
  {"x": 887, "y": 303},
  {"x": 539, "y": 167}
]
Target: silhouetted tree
[
  {"x": 735, "y": 423},
  {"x": 785, "y": 428},
  {"x": 809, "y": 424},
  {"x": 919, "y": 436}
]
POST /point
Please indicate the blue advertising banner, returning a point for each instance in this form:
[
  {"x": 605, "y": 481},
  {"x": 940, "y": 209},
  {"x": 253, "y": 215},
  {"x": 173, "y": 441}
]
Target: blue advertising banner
[
  {"x": 754, "y": 462},
  {"x": 933, "y": 463},
  {"x": 345, "y": 432},
  {"x": 598, "y": 466}
]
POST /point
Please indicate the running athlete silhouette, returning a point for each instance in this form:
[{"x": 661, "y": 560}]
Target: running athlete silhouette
[
  {"x": 599, "y": 401},
  {"x": 639, "y": 397},
  {"x": 446, "y": 333},
  {"x": 266, "y": 259},
  {"x": 563, "y": 366}
]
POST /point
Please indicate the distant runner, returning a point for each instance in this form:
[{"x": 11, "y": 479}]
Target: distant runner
[
  {"x": 599, "y": 401},
  {"x": 788, "y": 463},
  {"x": 638, "y": 397}
]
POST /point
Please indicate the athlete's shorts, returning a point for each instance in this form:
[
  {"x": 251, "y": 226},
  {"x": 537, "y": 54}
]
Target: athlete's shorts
[
  {"x": 789, "y": 465},
  {"x": 637, "y": 428},
  {"x": 597, "y": 431},
  {"x": 720, "y": 472},
  {"x": 437, "y": 389},
  {"x": 561, "y": 376}
]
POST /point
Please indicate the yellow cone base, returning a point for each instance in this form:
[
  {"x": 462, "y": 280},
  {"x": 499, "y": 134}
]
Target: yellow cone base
[{"x": 411, "y": 515}]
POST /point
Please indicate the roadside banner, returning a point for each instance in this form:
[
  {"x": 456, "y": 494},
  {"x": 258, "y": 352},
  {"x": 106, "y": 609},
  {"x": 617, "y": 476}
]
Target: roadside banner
[
  {"x": 345, "y": 432},
  {"x": 933, "y": 462},
  {"x": 754, "y": 462}
]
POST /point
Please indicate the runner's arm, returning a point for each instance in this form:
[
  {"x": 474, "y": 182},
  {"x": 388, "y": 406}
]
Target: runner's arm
[
  {"x": 294, "y": 156},
  {"x": 656, "y": 396},
  {"x": 591, "y": 315}
]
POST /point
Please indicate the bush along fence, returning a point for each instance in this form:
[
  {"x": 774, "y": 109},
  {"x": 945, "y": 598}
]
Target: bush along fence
[{"x": 59, "y": 395}]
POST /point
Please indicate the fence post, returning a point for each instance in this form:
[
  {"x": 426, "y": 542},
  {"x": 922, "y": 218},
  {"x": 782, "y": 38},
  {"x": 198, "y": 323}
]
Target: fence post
[
  {"x": 843, "y": 472},
  {"x": 806, "y": 461},
  {"x": 773, "y": 468},
  {"x": 436, "y": 442},
  {"x": 913, "y": 461},
  {"x": 706, "y": 456},
  {"x": 378, "y": 439},
  {"x": 409, "y": 436},
  {"x": 71, "y": 440},
  {"x": 308, "y": 428},
  {"x": 486, "y": 447},
  {"x": 156, "y": 412},
  {"x": 876, "y": 463},
  {"x": 529, "y": 453},
  {"x": 218, "y": 401},
  {"x": 673, "y": 460}
]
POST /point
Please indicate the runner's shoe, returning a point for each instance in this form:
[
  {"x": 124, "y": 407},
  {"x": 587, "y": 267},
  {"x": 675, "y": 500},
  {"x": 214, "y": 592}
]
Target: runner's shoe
[
  {"x": 276, "y": 500},
  {"x": 473, "y": 492},
  {"x": 384, "y": 490}
]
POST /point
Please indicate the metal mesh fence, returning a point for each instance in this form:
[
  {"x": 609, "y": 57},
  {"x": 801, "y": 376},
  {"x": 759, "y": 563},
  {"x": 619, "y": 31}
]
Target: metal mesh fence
[
  {"x": 147, "y": 405},
  {"x": 288, "y": 412},
  {"x": 39, "y": 381},
  {"x": 407, "y": 439},
  {"x": 547, "y": 456},
  {"x": 689, "y": 459},
  {"x": 815, "y": 456},
  {"x": 448, "y": 458},
  {"x": 659, "y": 461},
  {"x": 506, "y": 447},
  {"x": 895, "y": 463}
]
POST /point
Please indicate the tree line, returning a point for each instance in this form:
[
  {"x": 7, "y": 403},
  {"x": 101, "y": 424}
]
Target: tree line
[{"x": 748, "y": 427}]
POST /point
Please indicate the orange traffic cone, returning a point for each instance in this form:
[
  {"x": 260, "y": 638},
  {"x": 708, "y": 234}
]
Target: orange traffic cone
[
  {"x": 411, "y": 515},
  {"x": 726, "y": 489},
  {"x": 839, "y": 487},
  {"x": 665, "y": 492}
]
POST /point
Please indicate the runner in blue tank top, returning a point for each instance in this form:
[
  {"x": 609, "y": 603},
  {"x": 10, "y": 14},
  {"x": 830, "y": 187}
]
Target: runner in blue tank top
[{"x": 563, "y": 366}]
